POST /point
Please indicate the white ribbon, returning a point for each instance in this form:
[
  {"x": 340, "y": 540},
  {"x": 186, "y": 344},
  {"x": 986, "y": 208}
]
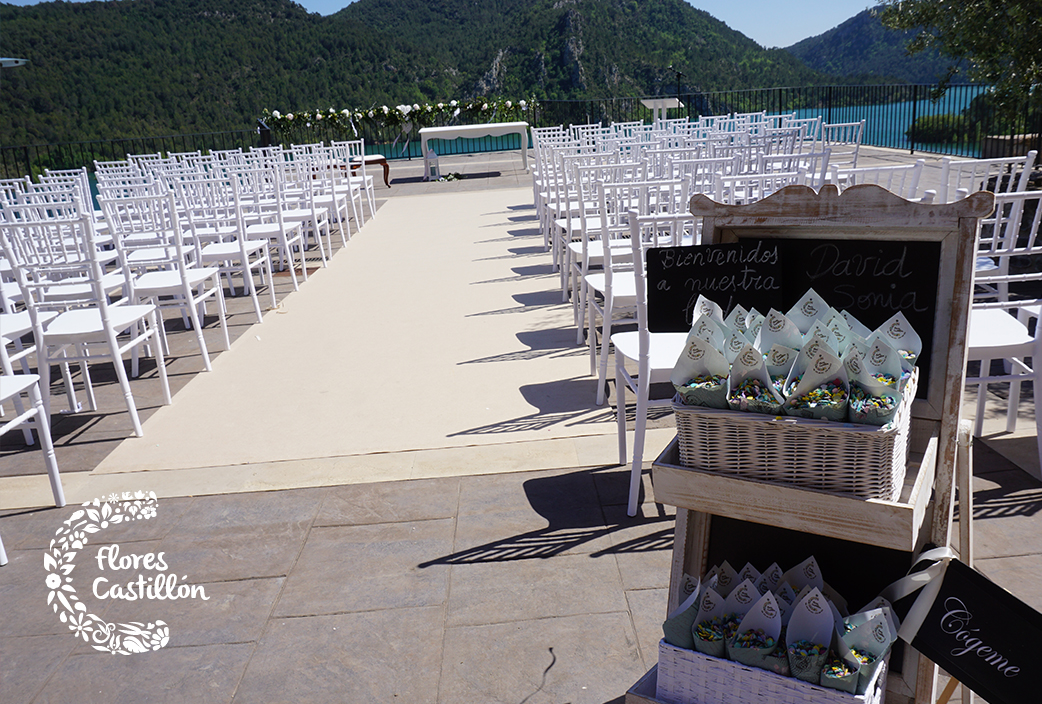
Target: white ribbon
[{"x": 927, "y": 582}]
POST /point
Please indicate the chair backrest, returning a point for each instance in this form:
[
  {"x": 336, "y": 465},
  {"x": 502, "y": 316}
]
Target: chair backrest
[
  {"x": 811, "y": 127},
  {"x": 815, "y": 164},
  {"x": 144, "y": 159},
  {"x": 589, "y": 134},
  {"x": 54, "y": 202},
  {"x": 78, "y": 178},
  {"x": 128, "y": 186},
  {"x": 1011, "y": 243},
  {"x": 623, "y": 201},
  {"x": 844, "y": 139},
  {"x": 115, "y": 169},
  {"x": 147, "y": 233},
  {"x": 783, "y": 140},
  {"x": 209, "y": 204},
  {"x": 353, "y": 151},
  {"x": 961, "y": 177},
  {"x": 59, "y": 239},
  {"x": 184, "y": 156},
  {"x": 702, "y": 173},
  {"x": 902, "y": 180},
  {"x": 662, "y": 154},
  {"x": 749, "y": 188},
  {"x": 56, "y": 253},
  {"x": 646, "y": 231}
]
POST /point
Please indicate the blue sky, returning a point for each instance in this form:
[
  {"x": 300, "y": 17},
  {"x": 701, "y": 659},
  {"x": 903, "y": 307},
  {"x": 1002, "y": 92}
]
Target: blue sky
[{"x": 768, "y": 22}]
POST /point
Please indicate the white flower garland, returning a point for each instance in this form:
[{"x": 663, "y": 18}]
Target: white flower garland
[
  {"x": 123, "y": 638},
  {"x": 403, "y": 117}
]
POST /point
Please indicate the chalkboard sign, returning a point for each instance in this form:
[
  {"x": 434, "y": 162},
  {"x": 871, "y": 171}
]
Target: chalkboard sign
[
  {"x": 748, "y": 272},
  {"x": 872, "y": 279},
  {"x": 983, "y": 636}
]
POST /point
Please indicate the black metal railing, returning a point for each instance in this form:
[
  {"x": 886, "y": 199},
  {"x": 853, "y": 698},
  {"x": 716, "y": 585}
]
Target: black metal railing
[
  {"x": 963, "y": 122},
  {"x": 16, "y": 162}
]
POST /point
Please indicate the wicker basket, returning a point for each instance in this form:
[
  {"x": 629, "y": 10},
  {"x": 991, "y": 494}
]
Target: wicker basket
[
  {"x": 689, "y": 677},
  {"x": 861, "y": 460}
]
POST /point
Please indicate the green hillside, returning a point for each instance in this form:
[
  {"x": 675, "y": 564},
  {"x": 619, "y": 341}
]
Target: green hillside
[
  {"x": 862, "y": 48},
  {"x": 583, "y": 48},
  {"x": 133, "y": 68},
  {"x": 146, "y": 67}
]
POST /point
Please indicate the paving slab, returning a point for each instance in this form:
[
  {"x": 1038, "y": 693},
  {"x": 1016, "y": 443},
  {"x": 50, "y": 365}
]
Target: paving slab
[
  {"x": 648, "y": 609},
  {"x": 367, "y": 567},
  {"x": 389, "y": 655},
  {"x": 542, "y": 661},
  {"x": 208, "y": 673}
]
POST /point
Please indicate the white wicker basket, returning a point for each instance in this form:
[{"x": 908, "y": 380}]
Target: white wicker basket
[
  {"x": 862, "y": 460},
  {"x": 689, "y": 677}
]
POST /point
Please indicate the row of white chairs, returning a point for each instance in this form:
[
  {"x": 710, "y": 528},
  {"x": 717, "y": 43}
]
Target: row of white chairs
[
  {"x": 586, "y": 213},
  {"x": 82, "y": 285},
  {"x": 592, "y": 196}
]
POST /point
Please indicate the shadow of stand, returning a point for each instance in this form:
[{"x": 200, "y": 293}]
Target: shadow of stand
[{"x": 574, "y": 517}]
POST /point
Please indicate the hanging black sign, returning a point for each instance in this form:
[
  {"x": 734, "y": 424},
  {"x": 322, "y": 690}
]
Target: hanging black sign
[{"x": 983, "y": 636}]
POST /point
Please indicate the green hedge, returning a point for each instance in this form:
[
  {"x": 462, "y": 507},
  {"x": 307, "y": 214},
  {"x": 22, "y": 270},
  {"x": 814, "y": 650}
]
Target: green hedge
[{"x": 938, "y": 129}]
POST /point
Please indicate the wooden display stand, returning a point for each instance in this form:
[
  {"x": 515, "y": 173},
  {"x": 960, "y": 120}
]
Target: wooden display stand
[{"x": 860, "y": 216}]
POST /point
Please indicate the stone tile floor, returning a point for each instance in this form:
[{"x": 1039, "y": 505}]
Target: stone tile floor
[{"x": 443, "y": 590}]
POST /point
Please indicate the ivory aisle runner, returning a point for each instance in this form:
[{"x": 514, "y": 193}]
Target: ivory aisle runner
[{"x": 439, "y": 325}]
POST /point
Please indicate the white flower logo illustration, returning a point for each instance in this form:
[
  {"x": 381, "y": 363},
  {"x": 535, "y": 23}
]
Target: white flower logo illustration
[{"x": 123, "y": 638}]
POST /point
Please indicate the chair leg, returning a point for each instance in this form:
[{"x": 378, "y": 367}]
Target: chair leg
[
  {"x": 580, "y": 314},
  {"x": 1037, "y": 388},
  {"x": 620, "y": 408},
  {"x": 284, "y": 253},
  {"x": 249, "y": 286},
  {"x": 124, "y": 384},
  {"x": 197, "y": 323},
  {"x": 221, "y": 312},
  {"x": 566, "y": 269},
  {"x": 70, "y": 390},
  {"x": 43, "y": 428},
  {"x": 1013, "y": 403},
  {"x": 160, "y": 363},
  {"x": 602, "y": 368},
  {"x": 271, "y": 278},
  {"x": 643, "y": 390},
  {"x": 982, "y": 396},
  {"x": 19, "y": 409}
]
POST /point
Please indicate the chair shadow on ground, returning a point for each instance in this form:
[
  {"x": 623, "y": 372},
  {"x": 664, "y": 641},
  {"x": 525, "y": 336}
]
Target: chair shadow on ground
[
  {"x": 1017, "y": 495},
  {"x": 564, "y": 402},
  {"x": 573, "y": 506},
  {"x": 552, "y": 342}
]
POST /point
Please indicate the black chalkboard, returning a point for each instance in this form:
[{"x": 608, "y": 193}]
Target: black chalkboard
[
  {"x": 748, "y": 272},
  {"x": 872, "y": 279},
  {"x": 983, "y": 636}
]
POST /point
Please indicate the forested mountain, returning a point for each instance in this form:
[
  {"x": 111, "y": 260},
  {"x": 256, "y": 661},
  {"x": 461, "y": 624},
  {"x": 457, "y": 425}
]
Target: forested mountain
[
  {"x": 148, "y": 67},
  {"x": 862, "y": 48},
  {"x": 563, "y": 49}
]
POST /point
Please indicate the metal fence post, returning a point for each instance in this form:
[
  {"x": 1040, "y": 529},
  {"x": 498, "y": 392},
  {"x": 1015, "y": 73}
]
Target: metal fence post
[{"x": 915, "y": 114}]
